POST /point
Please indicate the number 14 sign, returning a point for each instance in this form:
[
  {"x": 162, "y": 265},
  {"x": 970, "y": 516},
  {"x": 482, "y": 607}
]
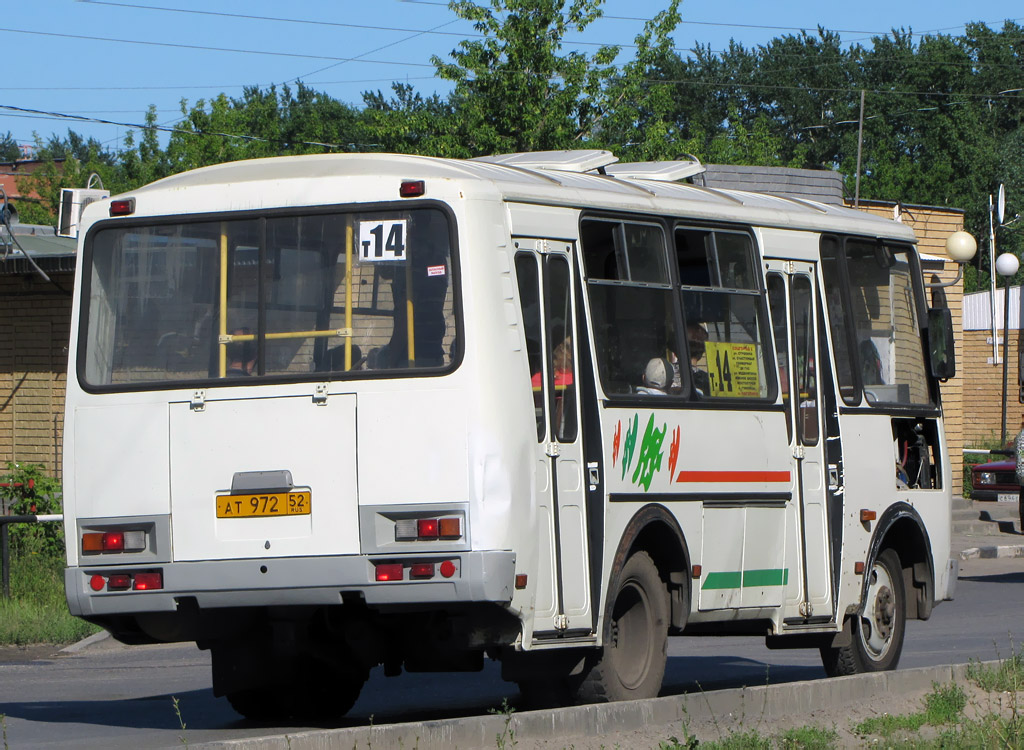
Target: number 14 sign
[{"x": 382, "y": 240}]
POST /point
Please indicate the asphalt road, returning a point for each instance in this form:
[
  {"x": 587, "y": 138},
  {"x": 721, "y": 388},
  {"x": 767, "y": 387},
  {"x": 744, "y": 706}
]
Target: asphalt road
[{"x": 116, "y": 697}]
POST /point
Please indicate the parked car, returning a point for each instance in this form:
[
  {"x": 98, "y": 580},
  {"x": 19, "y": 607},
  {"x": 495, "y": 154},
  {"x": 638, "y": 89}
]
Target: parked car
[{"x": 995, "y": 480}]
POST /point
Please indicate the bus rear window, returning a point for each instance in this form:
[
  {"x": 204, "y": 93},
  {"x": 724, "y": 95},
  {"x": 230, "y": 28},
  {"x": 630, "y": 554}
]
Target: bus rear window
[{"x": 284, "y": 296}]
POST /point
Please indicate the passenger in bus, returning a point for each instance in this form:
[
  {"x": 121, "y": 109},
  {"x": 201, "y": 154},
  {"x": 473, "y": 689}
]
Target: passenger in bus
[
  {"x": 562, "y": 360},
  {"x": 697, "y": 336},
  {"x": 657, "y": 377},
  {"x": 240, "y": 355}
]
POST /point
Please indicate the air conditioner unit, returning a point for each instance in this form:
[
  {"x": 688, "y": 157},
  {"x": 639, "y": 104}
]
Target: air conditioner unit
[{"x": 72, "y": 203}]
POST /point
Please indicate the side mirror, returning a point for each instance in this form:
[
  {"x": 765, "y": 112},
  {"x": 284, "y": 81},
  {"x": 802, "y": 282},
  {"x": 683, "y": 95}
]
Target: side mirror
[{"x": 941, "y": 355}]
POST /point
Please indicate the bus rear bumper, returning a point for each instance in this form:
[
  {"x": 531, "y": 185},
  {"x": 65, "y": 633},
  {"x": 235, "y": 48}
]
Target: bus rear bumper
[{"x": 486, "y": 576}]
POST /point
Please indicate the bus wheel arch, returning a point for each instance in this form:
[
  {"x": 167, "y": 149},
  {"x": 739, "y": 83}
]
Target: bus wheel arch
[
  {"x": 646, "y": 598},
  {"x": 655, "y": 531},
  {"x": 900, "y": 528}
]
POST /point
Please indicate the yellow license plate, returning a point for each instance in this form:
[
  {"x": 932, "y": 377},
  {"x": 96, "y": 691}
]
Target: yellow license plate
[{"x": 261, "y": 504}]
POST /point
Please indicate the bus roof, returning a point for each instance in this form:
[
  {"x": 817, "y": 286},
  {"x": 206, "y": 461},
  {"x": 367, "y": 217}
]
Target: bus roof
[{"x": 511, "y": 183}]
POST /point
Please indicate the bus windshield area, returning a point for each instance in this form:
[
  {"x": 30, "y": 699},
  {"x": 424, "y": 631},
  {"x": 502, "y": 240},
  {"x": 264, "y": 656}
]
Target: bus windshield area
[
  {"x": 289, "y": 296},
  {"x": 875, "y": 314}
]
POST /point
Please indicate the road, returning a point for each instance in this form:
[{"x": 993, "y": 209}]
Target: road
[{"x": 116, "y": 697}]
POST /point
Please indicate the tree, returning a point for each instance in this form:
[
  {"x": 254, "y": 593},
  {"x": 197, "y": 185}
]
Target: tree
[
  {"x": 514, "y": 89},
  {"x": 9, "y": 148}
]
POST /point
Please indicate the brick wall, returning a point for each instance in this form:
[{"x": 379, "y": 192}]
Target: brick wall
[
  {"x": 983, "y": 394},
  {"x": 34, "y": 327}
]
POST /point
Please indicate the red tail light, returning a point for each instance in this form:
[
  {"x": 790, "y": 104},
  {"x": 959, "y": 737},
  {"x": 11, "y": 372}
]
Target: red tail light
[
  {"x": 421, "y": 570},
  {"x": 389, "y": 572},
  {"x": 119, "y": 582},
  {"x": 427, "y": 528},
  {"x": 148, "y": 581}
]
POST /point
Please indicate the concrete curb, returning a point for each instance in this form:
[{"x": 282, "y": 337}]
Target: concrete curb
[
  {"x": 82, "y": 645},
  {"x": 769, "y": 701},
  {"x": 1004, "y": 550}
]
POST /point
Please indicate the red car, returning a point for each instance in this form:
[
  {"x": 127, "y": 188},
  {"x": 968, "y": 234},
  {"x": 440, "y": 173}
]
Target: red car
[{"x": 995, "y": 480}]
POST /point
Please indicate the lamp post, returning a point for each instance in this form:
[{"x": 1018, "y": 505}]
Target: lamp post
[{"x": 1006, "y": 266}]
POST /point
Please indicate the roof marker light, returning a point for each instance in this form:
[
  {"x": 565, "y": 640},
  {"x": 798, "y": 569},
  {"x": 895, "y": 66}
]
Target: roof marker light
[
  {"x": 122, "y": 207},
  {"x": 412, "y": 188}
]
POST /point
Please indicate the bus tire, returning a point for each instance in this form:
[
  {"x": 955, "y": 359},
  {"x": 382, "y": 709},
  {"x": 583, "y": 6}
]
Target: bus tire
[
  {"x": 878, "y": 631},
  {"x": 631, "y": 663}
]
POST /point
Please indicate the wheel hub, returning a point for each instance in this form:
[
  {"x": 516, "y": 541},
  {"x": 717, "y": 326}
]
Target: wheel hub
[{"x": 885, "y": 610}]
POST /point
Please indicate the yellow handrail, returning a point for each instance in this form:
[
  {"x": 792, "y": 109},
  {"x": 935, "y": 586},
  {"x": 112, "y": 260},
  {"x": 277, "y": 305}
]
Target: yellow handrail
[{"x": 223, "y": 354}]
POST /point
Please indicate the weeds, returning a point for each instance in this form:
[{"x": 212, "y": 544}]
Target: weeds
[
  {"x": 37, "y": 611},
  {"x": 181, "y": 720},
  {"x": 507, "y": 736},
  {"x": 1008, "y": 676},
  {"x": 3, "y": 729}
]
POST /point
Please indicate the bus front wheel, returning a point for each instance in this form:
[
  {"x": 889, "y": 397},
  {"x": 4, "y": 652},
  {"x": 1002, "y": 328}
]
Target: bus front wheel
[
  {"x": 878, "y": 631},
  {"x": 631, "y": 663}
]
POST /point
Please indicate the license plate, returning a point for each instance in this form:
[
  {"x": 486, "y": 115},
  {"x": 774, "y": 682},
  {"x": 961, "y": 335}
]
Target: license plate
[
  {"x": 1007, "y": 497},
  {"x": 262, "y": 504}
]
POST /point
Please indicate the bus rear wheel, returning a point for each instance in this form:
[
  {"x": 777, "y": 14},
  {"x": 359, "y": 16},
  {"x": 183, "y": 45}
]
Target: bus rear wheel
[
  {"x": 631, "y": 663},
  {"x": 878, "y": 631}
]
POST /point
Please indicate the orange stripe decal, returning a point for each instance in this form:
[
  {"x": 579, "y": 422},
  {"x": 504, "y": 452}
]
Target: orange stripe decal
[{"x": 716, "y": 477}]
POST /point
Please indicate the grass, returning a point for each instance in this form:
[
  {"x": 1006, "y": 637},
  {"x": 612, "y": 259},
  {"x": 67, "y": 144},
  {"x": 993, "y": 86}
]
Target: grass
[{"x": 37, "y": 611}]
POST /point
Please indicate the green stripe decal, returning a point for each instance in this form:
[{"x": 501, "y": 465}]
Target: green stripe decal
[{"x": 746, "y": 579}]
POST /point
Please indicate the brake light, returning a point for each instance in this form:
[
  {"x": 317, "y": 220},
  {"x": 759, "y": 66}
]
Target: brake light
[
  {"x": 119, "y": 582},
  {"x": 427, "y": 529},
  {"x": 421, "y": 570},
  {"x": 388, "y": 572},
  {"x": 148, "y": 581},
  {"x": 114, "y": 541}
]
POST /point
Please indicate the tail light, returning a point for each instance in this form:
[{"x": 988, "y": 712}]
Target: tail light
[
  {"x": 113, "y": 541},
  {"x": 428, "y": 529}
]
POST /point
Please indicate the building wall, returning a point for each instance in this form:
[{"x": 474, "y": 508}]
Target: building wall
[
  {"x": 984, "y": 391},
  {"x": 35, "y": 323},
  {"x": 932, "y": 226}
]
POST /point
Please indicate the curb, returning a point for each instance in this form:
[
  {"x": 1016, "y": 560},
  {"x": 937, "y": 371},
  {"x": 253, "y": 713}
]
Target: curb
[
  {"x": 1005, "y": 550},
  {"x": 770, "y": 701},
  {"x": 82, "y": 645}
]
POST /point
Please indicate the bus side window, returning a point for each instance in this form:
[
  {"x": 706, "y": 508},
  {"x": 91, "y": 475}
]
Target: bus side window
[{"x": 528, "y": 279}]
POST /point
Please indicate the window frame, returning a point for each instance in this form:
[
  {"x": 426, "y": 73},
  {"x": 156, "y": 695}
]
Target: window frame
[
  {"x": 917, "y": 285},
  {"x": 86, "y": 269}
]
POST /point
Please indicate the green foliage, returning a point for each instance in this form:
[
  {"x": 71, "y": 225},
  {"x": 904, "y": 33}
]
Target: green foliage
[
  {"x": 1007, "y": 676},
  {"x": 9, "y": 148},
  {"x": 37, "y": 611},
  {"x": 30, "y": 491},
  {"x": 945, "y": 704}
]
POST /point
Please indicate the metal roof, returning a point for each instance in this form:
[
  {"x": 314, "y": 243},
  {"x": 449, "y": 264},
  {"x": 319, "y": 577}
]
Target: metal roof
[
  {"x": 359, "y": 173},
  {"x": 50, "y": 252}
]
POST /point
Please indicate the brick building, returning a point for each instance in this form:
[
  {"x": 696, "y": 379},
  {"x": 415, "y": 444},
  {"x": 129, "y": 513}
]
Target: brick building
[{"x": 35, "y": 318}]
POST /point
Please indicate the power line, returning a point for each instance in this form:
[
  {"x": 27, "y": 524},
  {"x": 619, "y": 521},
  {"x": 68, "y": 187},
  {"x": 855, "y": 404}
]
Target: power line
[
  {"x": 183, "y": 87},
  {"x": 211, "y": 49},
  {"x": 161, "y": 128}
]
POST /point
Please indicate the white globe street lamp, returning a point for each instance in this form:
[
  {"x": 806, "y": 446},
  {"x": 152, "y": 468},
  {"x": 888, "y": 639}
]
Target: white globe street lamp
[{"x": 1006, "y": 266}]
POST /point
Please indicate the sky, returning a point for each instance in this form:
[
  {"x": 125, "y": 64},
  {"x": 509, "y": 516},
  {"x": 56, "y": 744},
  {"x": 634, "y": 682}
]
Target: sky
[{"x": 111, "y": 60}]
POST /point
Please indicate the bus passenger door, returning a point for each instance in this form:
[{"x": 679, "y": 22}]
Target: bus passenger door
[
  {"x": 792, "y": 293},
  {"x": 563, "y": 595}
]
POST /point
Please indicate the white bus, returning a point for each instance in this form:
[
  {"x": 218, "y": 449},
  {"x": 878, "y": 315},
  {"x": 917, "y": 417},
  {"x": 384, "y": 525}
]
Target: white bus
[{"x": 328, "y": 413}]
